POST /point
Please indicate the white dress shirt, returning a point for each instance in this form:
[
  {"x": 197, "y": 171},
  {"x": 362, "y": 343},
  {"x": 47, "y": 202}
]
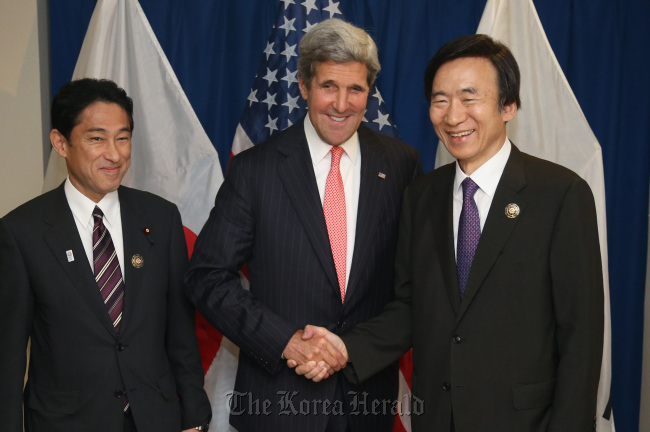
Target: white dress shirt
[
  {"x": 350, "y": 168},
  {"x": 82, "y": 208},
  {"x": 487, "y": 178}
]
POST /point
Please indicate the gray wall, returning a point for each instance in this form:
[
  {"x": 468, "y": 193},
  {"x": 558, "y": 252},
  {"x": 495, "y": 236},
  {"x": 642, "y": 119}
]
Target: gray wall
[{"x": 24, "y": 100}]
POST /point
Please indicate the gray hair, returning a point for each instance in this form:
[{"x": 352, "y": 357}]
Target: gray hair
[{"x": 338, "y": 41}]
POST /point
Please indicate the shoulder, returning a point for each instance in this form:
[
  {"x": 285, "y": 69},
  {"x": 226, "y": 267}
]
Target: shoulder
[
  {"x": 546, "y": 174},
  {"x": 283, "y": 141},
  {"x": 146, "y": 201},
  {"x": 392, "y": 146},
  {"x": 36, "y": 207},
  {"x": 440, "y": 177}
]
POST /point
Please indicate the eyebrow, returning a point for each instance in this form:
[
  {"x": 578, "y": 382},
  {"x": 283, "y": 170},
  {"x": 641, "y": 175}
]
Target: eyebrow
[
  {"x": 100, "y": 129},
  {"x": 470, "y": 90},
  {"x": 333, "y": 82}
]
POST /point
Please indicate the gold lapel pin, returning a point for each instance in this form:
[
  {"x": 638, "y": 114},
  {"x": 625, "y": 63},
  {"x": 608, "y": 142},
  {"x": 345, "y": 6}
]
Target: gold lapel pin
[
  {"x": 512, "y": 210},
  {"x": 137, "y": 261}
]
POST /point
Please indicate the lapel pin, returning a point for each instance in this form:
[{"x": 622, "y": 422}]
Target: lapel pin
[
  {"x": 70, "y": 255},
  {"x": 381, "y": 175},
  {"x": 512, "y": 210},
  {"x": 137, "y": 261},
  {"x": 146, "y": 231}
]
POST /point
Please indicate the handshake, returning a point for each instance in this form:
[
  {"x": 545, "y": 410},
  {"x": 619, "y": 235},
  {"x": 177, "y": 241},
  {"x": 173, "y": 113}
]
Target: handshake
[{"x": 316, "y": 353}]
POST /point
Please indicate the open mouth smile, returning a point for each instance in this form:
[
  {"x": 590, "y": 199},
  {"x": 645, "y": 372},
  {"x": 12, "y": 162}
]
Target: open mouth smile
[{"x": 461, "y": 134}]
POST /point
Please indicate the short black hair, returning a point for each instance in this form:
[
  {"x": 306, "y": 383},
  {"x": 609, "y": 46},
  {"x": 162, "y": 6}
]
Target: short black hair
[
  {"x": 482, "y": 46},
  {"x": 77, "y": 95}
]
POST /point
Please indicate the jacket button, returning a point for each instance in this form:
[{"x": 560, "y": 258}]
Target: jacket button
[
  {"x": 118, "y": 394},
  {"x": 121, "y": 347},
  {"x": 457, "y": 339},
  {"x": 446, "y": 386}
]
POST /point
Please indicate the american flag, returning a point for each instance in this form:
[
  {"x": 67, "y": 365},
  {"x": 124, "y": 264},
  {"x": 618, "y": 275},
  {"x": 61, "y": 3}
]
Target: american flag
[{"x": 273, "y": 104}]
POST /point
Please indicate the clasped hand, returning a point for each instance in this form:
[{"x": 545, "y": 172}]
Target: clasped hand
[{"x": 316, "y": 353}]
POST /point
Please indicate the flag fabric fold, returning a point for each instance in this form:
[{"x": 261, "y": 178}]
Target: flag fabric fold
[{"x": 552, "y": 126}]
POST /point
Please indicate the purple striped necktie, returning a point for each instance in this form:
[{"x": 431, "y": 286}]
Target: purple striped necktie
[
  {"x": 469, "y": 233},
  {"x": 108, "y": 274}
]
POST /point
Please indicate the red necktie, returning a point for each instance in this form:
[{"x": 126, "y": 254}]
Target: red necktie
[{"x": 334, "y": 208}]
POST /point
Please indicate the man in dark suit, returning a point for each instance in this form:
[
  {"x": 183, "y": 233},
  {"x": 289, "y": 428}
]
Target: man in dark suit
[
  {"x": 278, "y": 212},
  {"x": 498, "y": 279},
  {"x": 93, "y": 272}
]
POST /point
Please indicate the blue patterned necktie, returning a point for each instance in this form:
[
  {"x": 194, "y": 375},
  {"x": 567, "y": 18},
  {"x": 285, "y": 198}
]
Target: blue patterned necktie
[{"x": 469, "y": 233}]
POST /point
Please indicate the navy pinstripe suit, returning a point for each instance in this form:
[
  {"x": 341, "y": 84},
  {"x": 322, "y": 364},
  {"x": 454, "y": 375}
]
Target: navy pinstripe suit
[{"x": 268, "y": 214}]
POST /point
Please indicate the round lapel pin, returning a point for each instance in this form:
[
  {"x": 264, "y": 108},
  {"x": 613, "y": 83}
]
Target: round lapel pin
[
  {"x": 137, "y": 261},
  {"x": 512, "y": 210}
]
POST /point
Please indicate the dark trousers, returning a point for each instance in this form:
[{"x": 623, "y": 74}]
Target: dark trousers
[{"x": 339, "y": 423}]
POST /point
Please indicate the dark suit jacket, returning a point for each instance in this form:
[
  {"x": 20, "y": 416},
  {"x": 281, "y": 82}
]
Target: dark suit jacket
[
  {"x": 268, "y": 214},
  {"x": 522, "y": 351},
  {"x": 78, "y": 364}
]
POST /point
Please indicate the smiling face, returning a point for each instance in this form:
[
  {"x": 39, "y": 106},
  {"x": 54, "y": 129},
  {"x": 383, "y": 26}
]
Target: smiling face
[
  {"x": 99, "y": 151},
  {"x": 465, "y": 111},
  {"x": 336, "y": 99}
]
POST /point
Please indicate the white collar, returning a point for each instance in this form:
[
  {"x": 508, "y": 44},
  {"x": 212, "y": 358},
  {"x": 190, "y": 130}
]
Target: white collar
[
  {"x": 487, "y": 176},
  {"x": 82, "y": 207},
  {"x": 318, "y": 148}
]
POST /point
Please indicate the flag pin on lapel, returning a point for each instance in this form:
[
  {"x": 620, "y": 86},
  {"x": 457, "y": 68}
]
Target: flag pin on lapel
[
  {"x": 137, "y": 261},
  {"x": 70, "y": 255},
  {"x": 512, "y": 210},
  {"x": 381, "y": 175}
]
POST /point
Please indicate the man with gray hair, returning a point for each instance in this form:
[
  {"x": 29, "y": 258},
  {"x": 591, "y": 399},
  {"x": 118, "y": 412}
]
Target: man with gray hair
[{"x": 313, "y": 213}]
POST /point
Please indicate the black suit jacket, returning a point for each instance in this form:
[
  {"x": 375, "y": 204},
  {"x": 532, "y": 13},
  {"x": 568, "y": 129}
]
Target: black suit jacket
[
  {"x": 522, "y": 350},
  {"x": 268, "y": 214},
  {"x": 78, "y": 364}
]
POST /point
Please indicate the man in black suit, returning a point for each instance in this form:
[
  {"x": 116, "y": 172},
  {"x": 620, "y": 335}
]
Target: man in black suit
[
  {"x": 498, "y": 279},
  {"x": 93, "y": 272},
  {"x": 270, "y": 215}
]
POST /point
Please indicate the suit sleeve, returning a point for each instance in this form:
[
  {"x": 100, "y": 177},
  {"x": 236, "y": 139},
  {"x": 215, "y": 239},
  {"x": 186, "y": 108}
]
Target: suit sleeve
[
  {"x": 213, "y": 283},
  {"x": 182, "y": 346},
  {"x": 577, "y": 286},
  {"x": 16, "y": 311},
  {"x": 382, "y": 340}
]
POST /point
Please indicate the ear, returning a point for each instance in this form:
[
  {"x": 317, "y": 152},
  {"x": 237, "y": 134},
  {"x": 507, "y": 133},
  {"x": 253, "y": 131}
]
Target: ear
[
  {"x": 304, "y": 91},
  {"x": 508, "y": 112},
  {"x": 59, "y": 143}
]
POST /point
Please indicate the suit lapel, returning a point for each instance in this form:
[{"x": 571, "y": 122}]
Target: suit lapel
[
  {"x": 441, "y": 211},
  {"x": 370, "y": 191},
  {"x": 498, "y": 226},
  {"x": 297, "y": 176},
  {"x": 64, "y": 236},
  {"x": 137, "y": 243}
]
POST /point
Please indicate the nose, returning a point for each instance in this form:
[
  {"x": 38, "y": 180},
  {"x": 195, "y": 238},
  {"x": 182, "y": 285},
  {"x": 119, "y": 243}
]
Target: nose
[
  {"x": 110, "y": 152},
  {"x": 455, "y": 113},
  {"x": 341, "y": 101}
]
